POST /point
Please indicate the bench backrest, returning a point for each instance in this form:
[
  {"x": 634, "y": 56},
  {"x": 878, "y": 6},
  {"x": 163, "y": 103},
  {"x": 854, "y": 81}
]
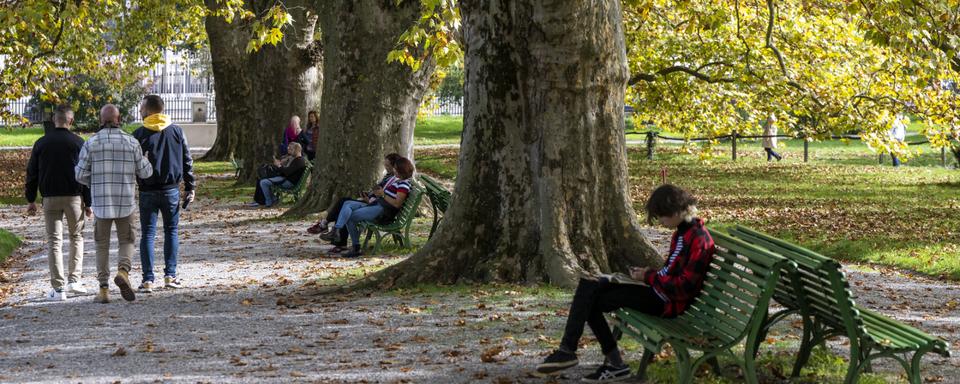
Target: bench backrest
[
  {"x": 737, "y": 289},
  {"x": 409, "y": 208},
  {"x": 439, "y": 196},
  {"x": 819, "y": 287}
]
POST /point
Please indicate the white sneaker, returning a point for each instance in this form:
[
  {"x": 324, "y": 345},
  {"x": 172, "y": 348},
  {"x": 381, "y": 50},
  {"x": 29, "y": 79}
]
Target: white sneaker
[
  {"x": 77, "y": 288},
  {"x": 172, "y": 283},
  {"x": 53, "y": 295}
]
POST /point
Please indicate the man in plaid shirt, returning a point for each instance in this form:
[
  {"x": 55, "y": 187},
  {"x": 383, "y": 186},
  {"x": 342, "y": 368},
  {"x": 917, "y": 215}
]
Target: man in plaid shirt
[{"x": 110, "y": 163}]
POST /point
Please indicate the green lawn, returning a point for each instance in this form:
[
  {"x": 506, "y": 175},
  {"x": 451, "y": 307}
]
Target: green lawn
[
  {"x": 438, "y": 130},
  {"x": 25, "y": 137},
  {"x": 8, "y": 243},
  {"x": 842, "y": 203}
]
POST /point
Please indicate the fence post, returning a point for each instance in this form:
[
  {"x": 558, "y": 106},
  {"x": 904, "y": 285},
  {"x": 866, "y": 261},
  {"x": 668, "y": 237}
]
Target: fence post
[
  {"x": 881, "y": 159},
  {"x": 806, "y": 149},
  {"x": 943, "y": 157},
  {"x": 734, "y": 145},
  {"x": 651, "y": 137}
]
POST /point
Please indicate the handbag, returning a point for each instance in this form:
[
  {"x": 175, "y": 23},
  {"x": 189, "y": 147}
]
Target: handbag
[{"x": 267, "y": 171}]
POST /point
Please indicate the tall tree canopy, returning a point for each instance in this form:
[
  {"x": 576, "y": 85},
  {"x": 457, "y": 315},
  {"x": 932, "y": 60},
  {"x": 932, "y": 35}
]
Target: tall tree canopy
[{"x": 44, "y": 42}]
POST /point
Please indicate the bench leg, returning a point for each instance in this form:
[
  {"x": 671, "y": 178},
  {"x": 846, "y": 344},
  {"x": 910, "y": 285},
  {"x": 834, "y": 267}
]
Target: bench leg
[
  {"x": 367, "y": 240},
  {"x": 715, "y": 364},
  {"x": 684, "y": 366},
  {"x": 644, "y": 361},
  {"x": 806, "y": 347},
  {"x": 376, "y": 246},
  {"x": 913, "y": 375}
]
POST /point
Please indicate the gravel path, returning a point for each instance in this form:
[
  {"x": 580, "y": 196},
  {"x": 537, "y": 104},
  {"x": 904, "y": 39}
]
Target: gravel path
[{"x": 240, "y": 318}]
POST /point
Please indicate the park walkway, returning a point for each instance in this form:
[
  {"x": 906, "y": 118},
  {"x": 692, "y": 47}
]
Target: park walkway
[{"x": 240, "y": 318}]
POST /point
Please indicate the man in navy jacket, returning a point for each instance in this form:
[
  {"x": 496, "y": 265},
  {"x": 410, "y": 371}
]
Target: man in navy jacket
[{"x": 166, "y": 147}]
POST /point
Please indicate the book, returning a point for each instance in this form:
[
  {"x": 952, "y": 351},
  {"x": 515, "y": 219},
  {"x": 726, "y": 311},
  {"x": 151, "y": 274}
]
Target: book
[{"x": 620, "y": 278}]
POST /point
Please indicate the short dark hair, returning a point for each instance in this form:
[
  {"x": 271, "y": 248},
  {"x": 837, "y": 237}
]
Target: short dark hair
[
  {"x": 62, "y": 115},
  {"x": 668, "y": 200},
  {"x": 404, "y": 168},
  {"x": 392, "y": 158},
  {"x": 153, "y": 103}
]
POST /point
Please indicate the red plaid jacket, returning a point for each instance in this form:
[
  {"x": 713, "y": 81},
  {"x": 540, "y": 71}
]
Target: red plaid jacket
[{"x": 680, "y": 279}]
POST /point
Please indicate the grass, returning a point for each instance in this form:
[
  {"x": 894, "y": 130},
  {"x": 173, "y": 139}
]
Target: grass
[
  {"x": 842, "y": 203},
  {"x": 438, "y": 130},
  {"x": 25, "y": 137},
  {"x": 8, "y": 243}
]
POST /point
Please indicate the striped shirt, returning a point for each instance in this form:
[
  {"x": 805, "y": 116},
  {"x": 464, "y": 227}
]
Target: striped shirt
[
  {"x": 110, "y": 163},
  {"x": 395, "y": 186}
]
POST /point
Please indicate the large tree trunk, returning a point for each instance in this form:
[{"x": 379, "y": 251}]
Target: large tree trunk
[
  {"x": 284, "y": 77},
  {"x": 231, "y": 83},
  {"x": 541, "y": 192},
  {"x": 258, "y": 93},
  {"x": 369, "y": 106}
]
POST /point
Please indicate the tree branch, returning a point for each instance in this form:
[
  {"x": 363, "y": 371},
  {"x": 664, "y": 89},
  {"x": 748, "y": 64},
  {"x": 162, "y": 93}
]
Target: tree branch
[{"x": 695, "y": 72}]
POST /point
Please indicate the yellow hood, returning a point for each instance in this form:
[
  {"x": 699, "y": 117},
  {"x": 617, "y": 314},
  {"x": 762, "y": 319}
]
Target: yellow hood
[{"x": 157, "y": 122}]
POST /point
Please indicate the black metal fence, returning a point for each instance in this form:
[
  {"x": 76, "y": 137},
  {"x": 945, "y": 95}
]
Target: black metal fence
[{"x": 180, "y": 108}]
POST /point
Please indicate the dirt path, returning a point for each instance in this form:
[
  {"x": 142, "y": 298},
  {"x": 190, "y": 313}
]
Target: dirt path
[{"x": 240, "y": 319}]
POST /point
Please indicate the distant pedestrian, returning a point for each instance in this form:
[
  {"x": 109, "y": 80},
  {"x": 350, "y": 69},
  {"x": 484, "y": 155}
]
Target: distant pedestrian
[
  {"x": 51, "y": 169},
  {"x": 110, "y": 163},
  {"x": 311, "y": 135},
  {"x": 770, "y": 138},
  {"x": 165, "y": 146},
  {"x": 290, "y": 134},
  {"x": 898, "y": 134}
]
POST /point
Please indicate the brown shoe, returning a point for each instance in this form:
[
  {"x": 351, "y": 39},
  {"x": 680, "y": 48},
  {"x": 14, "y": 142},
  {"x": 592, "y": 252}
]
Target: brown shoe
[
  {"x": 123, "y": 282},
  {"x": 103, "y": 296}
]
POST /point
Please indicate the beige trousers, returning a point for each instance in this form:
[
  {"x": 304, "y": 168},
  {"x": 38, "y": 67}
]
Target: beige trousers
[
  {"x": 55, "y": 208},
  {"x": 125, "y": 240}
]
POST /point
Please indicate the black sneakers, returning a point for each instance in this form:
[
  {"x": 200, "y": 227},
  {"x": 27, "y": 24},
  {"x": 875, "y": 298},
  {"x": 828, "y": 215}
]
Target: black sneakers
[
  {"x": 608, "y": 374},
  {"x": 557, "y": 362}
]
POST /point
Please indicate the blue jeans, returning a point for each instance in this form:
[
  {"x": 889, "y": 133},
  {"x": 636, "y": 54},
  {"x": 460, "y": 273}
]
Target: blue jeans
[
  {"x": 268, "y": 197},
  {"x": 167, "y": 203},
  {"x": 352, "y": 213}
]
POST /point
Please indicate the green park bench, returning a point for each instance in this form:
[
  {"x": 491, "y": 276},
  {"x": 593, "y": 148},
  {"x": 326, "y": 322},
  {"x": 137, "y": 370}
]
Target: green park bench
[
  {"x": 399, "y": 227},
  {"x": 819, "y": 292},
  {"x": 237, "y": 166},
  {"x": 439, "y": 199},
  {"x": 297, "y": 189},
  {"x": 730, "y": 310}
]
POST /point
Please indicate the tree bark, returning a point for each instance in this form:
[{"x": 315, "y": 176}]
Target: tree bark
[
  {"x": 541, "y": 193},
  {"x": 258, "y": 93},
  {"x": 231, "y": 84},
  {"x": 369, "y": 106}
]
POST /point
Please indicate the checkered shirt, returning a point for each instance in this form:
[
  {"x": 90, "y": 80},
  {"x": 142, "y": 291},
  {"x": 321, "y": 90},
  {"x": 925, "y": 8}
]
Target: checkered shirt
[{"x": 109, "y": 164}]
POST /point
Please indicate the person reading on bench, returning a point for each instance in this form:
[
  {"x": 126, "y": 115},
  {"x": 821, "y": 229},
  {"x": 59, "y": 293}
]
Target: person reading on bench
[
  {"x": 320, "y": 227},
  {"x": 285, "y": 173},
  {"x": 389, "y": 200},
  {"x": 666, "y": 291}
]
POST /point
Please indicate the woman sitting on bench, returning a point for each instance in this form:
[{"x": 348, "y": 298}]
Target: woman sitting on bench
[
  {"x": 667, "y": 291},
  {"x": 320, "y": 227},
  {"x": 285, "y": 173},
  {"x": 389, "y": 200}
]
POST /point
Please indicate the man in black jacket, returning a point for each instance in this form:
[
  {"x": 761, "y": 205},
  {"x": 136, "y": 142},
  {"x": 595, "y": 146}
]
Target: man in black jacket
[
  {"x": 51, "y": 170},
  {"x": 166, "y": 147}
]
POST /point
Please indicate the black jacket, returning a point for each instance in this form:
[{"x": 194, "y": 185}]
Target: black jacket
[
  {"x": 294, "y": 171},
  {"x": 169, "y": 154},
  {"x": 51, "y": 166}
]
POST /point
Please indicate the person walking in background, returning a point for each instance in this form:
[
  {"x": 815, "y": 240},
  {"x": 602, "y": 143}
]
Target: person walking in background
[
  {"x": 166, "y": 148},
  {"x": 110, "y": 163},
  {"x": 51, "y": 169},
  {"x": 770, "y": 139},
  {"x": 898, "y": 133}
]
